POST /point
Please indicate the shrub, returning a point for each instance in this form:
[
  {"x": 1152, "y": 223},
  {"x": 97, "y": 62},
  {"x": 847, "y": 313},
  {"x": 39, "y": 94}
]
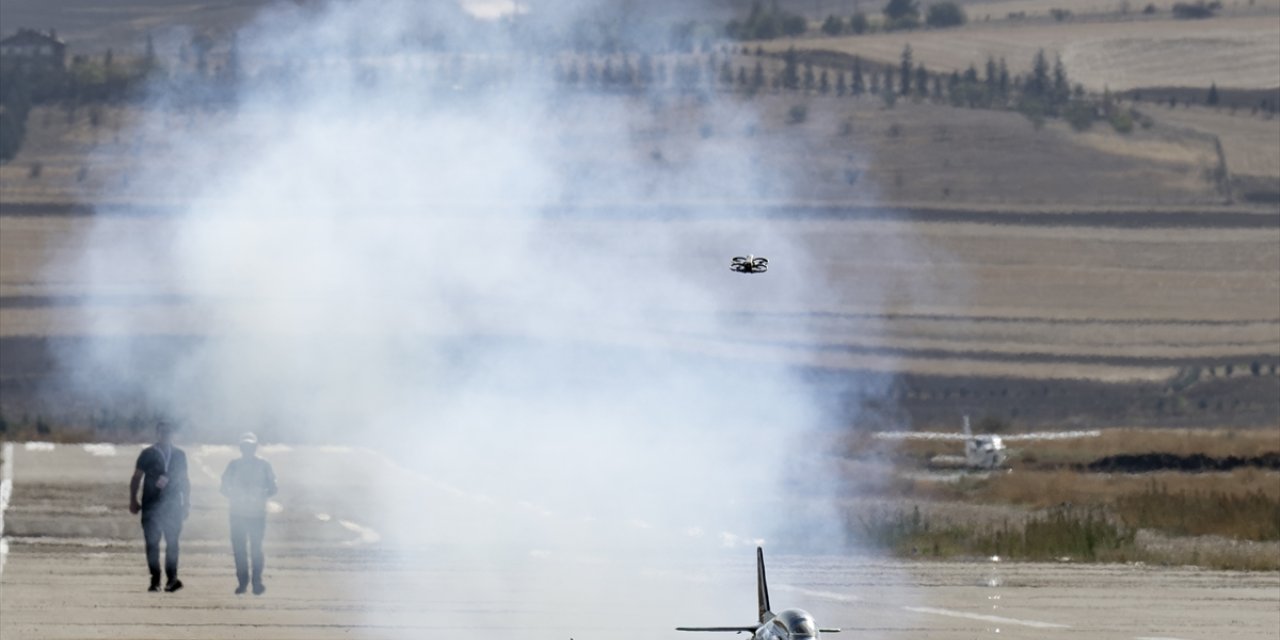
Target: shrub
[
  {"x": 945, "y": 14},
  {"x": 897, "y": 9},
  {"x": 1122, "y": 122},
  {"x": 1149, "y": 9},
  {"x": 798, "y": 114},
  {"x": 1079, "y": 114},
  {"x": 1060, "y": 14},
  {"x": 1194, "y": 11},
  {"x": 859, "y": 24},
  {"x": 833, "y": 26}
]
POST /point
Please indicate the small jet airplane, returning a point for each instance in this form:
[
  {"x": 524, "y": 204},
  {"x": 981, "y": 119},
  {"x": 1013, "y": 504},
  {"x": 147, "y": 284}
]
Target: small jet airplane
[
  {"x": 749, "y": 264},
  {"x": 789, "y": 624},
  {"x": 984, "y": 450}
]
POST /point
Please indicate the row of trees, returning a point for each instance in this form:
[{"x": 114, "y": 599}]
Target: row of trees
[{"x": 767, "y": 24}]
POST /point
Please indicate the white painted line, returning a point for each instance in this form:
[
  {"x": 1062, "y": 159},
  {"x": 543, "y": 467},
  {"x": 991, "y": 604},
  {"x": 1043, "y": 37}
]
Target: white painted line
[
  {"x": 1035, "y": 624},
  {"x": 102, "y": 450},
  {"x": 39, "y": 446},
  {"x": 6, "y": 490},
  {"x": 367, "y": 535},
  {"x": 1155, "y": 638}
]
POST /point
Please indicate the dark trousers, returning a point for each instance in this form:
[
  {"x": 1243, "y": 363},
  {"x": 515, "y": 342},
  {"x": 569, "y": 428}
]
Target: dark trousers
[
  {"x": 248, "y": 531},
  {"x": 167, "y": 524}
]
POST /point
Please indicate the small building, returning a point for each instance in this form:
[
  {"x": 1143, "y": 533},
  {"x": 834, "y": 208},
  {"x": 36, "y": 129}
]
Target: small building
[{"x": 32, "y": 48}]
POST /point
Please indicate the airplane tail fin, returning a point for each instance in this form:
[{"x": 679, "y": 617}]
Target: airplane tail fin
[{"x": 762, "y": 587}]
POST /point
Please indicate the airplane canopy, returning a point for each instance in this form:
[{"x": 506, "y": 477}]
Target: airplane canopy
[{"x": 798, "y": 623}]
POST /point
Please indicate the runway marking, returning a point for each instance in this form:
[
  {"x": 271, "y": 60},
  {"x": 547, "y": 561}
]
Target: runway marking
[
  {"x": 6, "y": 490},
  {"x": 367, "y": 535},
  {"x": 103, "y": 450},
  {"x": 1035, "y": 624},
  {"x": 1155, "y": 638},
  {"x": 38, "y": 446}
]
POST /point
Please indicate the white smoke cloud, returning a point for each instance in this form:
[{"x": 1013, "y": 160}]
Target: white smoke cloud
[{"x": 456, "y": 277}]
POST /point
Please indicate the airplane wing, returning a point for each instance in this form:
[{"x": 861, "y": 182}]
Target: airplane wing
[
  {"x": 1051, "y": 435},
  {"x": 919, "y": 435},
  {"x": 746, "y": 629}
]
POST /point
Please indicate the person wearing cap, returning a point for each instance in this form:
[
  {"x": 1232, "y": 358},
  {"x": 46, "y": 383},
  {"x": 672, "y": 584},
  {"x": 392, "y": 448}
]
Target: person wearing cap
[
  {"x": 161, "y": 471},
  {"x": 247, "y": 483}
]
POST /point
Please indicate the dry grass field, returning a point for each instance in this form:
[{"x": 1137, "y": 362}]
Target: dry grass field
[
  {"x": 1209, "y": 518},
  {"x": 1239, "y": 52},
  {"x": 985, "y": 10},
  {"x": 93, "y": 26},
  {"x": 847, "y": 151},
  {"x": 1251, "y": 144}
]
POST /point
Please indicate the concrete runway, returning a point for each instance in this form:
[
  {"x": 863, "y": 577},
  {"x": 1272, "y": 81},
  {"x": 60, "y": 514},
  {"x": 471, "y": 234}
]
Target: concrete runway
[{"x": 340, "y": 567}]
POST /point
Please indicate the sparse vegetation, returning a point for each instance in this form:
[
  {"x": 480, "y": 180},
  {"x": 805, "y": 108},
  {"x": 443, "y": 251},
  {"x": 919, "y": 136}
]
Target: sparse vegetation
[
  {"x": 1195, "y": 10},
  {"x": 945, "y": 14},
  {"x": 797, "y": 114}
]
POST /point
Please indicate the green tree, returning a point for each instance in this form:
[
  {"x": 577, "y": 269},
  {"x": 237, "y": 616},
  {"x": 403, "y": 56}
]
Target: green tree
[
  {"x": 858, "y": 83},
  {"x": 790, "y": 70},
  {"x": 945, "y": 14},
  {"x": 644, "y": 70},
  {"x": 808, "y": 76},
  {"x": 1212, "y": 99},
  {"x": 896, "y": 10},
  {"x": 859, "y": 24},
  {"x": 842, "y": 87},
  {"x": 905, "y": 69},
  {"x": 824, "y": 82},
  {"x": 757, "y": 77},
  {"x": 1038, "y": 83},
  {"x": 992, "y": 78},
  {"x": 149, "y": 60},
  {"x": 833, "y": 26},
  {"x": 922, "y": 81},
  {"x": 794, "y": 25},
  {"x": 1061, "y": 84}
]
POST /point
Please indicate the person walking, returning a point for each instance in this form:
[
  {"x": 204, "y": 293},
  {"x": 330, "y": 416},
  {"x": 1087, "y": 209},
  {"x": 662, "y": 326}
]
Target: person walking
[
  {"x": 247, "y": 483},
  {"x": 161, "y": 471}
]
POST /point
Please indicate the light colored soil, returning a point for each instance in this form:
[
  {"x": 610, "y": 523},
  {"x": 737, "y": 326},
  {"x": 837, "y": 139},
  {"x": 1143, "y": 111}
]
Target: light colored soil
[
  {"x": 1231, "y": 51},
  {"x": 1251, "y": 143}
]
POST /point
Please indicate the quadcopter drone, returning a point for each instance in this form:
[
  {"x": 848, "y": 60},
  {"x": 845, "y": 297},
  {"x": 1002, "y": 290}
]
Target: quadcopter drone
[{"x": 749, "y": 264}]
